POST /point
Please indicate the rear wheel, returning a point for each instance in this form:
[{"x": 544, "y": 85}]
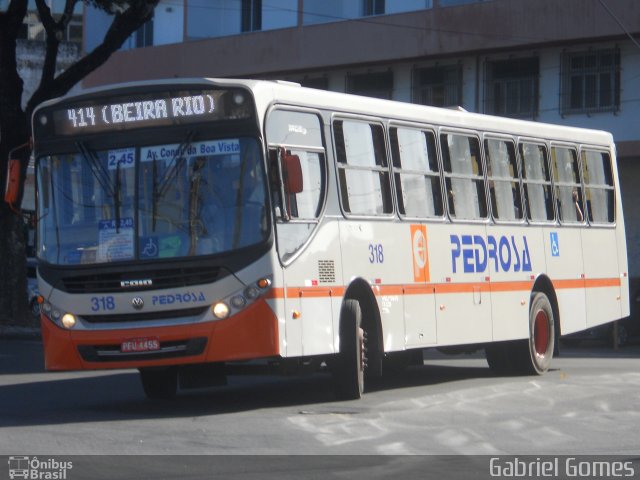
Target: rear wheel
[
  {"x": 159, "y": 383},
  {"x": 348, "y": 371},
  {"x": 533, "y": 357}
]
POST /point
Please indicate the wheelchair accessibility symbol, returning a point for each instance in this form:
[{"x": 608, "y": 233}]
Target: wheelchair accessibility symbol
[
  {"x": 555, "y": 246},
  {"x": 149, "y": 247}
]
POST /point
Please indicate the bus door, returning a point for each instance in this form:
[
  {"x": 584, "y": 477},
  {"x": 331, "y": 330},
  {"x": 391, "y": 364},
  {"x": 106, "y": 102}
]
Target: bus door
[
  {"x": 565, "y": 263},
  {"x": 514, "y": 250},
  {"x": 419, "y": 199},
  {"x": 463, "y": 291},
  {"x": 599, "y": 242},
  {"x": 308, "y": 246}
]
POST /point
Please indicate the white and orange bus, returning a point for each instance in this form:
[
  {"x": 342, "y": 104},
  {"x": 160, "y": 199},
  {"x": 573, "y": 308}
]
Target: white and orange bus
[{"x": 186, "y": 225}]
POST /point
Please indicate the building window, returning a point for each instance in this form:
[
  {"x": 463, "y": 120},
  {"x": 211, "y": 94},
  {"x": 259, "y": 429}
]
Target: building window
[
  {"x": 32, "y": 28},
  {"x": 512, "y": 87},
  {"x": 438, "y": 86},
  {"x": 379, "y": 85},
  {"x": 591, "y": 81},
  {"x": 251, "y": 15},
  {"x": 373, "y": 7},
  {"x": 144, "y": 35}
]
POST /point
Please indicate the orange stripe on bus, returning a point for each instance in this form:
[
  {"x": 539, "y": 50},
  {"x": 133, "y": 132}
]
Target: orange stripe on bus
[
  {"x": 587, "y": 283},
  {"x": 441, "y": 288}
]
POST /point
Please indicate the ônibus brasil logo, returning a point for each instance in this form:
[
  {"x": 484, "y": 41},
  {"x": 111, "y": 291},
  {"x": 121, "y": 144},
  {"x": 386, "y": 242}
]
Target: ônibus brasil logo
[{"x": 33, "y": 468}]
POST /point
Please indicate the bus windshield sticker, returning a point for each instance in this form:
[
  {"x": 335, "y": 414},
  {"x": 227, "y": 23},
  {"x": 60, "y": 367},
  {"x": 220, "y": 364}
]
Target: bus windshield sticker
[
  {"x": 214, "y": 147},
  {"x": 122, "y": 157},
  {"x": 115, "y": 244}
]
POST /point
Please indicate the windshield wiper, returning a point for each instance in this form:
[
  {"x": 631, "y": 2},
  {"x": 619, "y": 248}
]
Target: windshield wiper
[
  {"x": 161, "y": 187},
  {"x": 102, "y": 176},
  {"x": 117, "y": 203}
]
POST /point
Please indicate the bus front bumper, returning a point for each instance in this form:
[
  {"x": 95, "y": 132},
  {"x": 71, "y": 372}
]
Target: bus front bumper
[{"x": 250, "y": 334}]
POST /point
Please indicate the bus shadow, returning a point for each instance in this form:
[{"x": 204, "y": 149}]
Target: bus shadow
[{"x": 119, "y": 396}]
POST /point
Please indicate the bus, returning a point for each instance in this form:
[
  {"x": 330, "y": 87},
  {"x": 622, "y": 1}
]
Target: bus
[{"x": 189, "y": 227}]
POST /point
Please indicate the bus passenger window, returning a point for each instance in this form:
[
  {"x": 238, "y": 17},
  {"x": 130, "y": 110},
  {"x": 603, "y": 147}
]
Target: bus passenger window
[
  {"x": 464, "y": 177},
  {"x": 502, "y": 174},
  {"x": 566, "y": 176},
  {"x": 365, "y": 188},
  {"x": 537, "y": 182},
  {"x": 599, "y": 190},
  {"x": 416, "y": 173}
]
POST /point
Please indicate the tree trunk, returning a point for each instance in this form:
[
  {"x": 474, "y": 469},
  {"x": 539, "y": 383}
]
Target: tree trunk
[
  {"x": 14, "y": 131},
  {"x": 13, "y": 275}
]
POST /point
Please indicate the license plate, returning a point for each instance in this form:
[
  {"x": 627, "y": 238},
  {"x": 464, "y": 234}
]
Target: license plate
[{"x": 147, "y": 344}]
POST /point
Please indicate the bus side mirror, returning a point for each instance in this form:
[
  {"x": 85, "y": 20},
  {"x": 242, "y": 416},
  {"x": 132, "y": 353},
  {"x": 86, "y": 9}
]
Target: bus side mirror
[
  {"x": 292, "y": 173},
  {"x": 12, "y": 187}
]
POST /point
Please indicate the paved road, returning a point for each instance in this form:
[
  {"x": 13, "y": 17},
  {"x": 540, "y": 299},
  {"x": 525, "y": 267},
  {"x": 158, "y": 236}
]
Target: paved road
[{"x": 588, "y": 404}]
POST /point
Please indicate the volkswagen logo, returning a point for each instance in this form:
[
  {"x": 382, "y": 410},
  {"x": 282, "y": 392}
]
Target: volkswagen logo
[{"x": 137, "y": 303}]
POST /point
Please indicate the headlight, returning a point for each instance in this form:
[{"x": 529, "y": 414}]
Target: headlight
[
  {"x": 69, "y": 320},
  {"x": 221, "y": 310},
  {"x": 66, "y": 319},
  {"x": 239, "y": 300}
]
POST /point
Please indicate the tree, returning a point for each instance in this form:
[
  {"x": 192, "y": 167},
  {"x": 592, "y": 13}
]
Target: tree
[{"x": 15, "y": 128}]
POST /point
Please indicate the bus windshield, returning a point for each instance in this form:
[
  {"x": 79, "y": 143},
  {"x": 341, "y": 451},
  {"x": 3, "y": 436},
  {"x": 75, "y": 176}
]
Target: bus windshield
[{"x": 151, "y": 202}]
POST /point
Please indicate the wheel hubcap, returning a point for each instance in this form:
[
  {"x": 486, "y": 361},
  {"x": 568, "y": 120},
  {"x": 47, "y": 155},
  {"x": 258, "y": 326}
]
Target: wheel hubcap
[{"x": 541, "y": 333}]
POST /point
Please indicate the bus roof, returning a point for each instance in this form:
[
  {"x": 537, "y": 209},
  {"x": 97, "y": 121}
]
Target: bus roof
[{"x": 270, "y": 92}]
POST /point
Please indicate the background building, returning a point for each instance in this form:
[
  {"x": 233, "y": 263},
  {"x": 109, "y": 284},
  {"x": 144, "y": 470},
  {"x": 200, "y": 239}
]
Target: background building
[
  {"x": 31, "y": 43},
  {"x": 572, "y": 62}
]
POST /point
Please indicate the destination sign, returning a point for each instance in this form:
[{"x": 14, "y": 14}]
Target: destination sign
[{"x": 144, "y": 110}]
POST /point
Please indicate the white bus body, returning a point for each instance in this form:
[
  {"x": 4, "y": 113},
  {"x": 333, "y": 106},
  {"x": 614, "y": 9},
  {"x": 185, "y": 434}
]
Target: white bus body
[{"x": 413, "y": 227}]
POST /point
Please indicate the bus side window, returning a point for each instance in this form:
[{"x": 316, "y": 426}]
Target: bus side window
[
  {"x": 502, "y": 174},
  {"x": 363, "y": 171},
  {"x": 416, "y": 173},
  {"x": 537, "y": 182},
  {"x": 566, "y": 176},
  {"x": 464, "y": 176},
  {"x": 599, "y": 189}
]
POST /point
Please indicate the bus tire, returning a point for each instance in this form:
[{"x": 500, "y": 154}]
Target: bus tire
[
  {"x": 159, "y": 383},
  {"x": 348, "y": 371},
  {"x": 533, "y": 356}
]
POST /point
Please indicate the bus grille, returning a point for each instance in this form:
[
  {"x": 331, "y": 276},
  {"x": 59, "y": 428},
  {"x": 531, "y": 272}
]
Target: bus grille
[
  {"x": 169, "y": 278},
  {"x": 145, "y": 316}
]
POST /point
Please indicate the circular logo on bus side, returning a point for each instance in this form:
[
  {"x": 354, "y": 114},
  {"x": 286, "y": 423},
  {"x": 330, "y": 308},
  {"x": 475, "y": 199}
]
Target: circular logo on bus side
[{"x": 137, "y": 303}]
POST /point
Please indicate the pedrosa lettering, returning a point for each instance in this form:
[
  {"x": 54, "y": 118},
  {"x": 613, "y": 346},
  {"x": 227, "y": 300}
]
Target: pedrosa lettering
[{"x": 502, "y": 254}]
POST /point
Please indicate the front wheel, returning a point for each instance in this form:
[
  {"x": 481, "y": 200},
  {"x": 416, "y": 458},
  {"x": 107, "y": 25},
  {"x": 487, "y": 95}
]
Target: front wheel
[{"x": 348, "y": 371}]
